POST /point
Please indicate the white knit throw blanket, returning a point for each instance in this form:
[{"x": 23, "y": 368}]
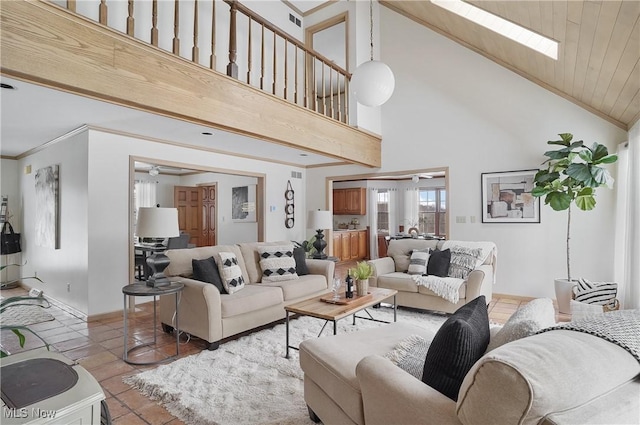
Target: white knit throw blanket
[
  {"x": 445, "y": 287},
  {"x": 620, "y": 327}
]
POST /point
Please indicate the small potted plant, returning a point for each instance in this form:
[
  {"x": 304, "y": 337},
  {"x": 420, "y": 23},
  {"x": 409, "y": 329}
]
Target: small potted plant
[
  {"x": 573, "y": 173},
  {"x": 361, "y": 273}
]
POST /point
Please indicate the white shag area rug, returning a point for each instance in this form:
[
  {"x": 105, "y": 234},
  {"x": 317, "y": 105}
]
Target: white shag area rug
[{"x": 248, "y": 380}]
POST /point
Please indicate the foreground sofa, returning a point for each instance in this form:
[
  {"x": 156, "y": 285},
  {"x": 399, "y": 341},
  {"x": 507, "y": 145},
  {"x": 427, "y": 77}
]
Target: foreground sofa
[
  {"x": 212, "y": 316},
  {"x": 391, "y": 272},
  {"x": 556, "y": 377}
]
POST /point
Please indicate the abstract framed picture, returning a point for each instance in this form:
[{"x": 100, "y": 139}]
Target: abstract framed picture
[
  {"x": 507, "y": 198},
  {"x": 46, "y": 226},
  {"x": 243, "y": 204}
]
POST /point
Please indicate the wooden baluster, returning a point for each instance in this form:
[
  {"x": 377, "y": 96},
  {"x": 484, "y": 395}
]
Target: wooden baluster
[
  {"x": 195, "y": 51},
  {"x": 212, "y": 60},
  {"x": 176, "y": 28},
  {"x": 346, "y": 100},
  {"x": 286, "y": 76},
  {"x": 249, "y": 55},
  {"x": 130, "y": 20},
  {"x": 262, "y": 61},
  {"x": 232, "y": 67},
  {"x": 314, "y": 90},
  {"x": 154, "y": 23},
  {"x": 331, "y": 92},
  {"x": 102, "y": 12},
  {"x": 339, "y": 99},
  {"x": 273, "y": 88},
  {"x": 306, "y": 79},
  {"x": 71, "y": 5},
  {"x": 324, "y": 94},
  {"x": 295, "y": 78}
]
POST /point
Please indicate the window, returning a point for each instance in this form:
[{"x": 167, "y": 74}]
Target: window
[
  {"x": 144, "y": 195},
  {"x": 383, "y": 211},
  {"x": 432, "y": 208}
]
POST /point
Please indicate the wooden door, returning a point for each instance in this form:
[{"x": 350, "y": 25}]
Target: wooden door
[
  {"x": 337, "y": 246},
  {"x": 209, "y": 215},
  {"x": 188, "y": 201},
  {"x": 353, "y": 244},
  {"x": 346, "y": 247}
]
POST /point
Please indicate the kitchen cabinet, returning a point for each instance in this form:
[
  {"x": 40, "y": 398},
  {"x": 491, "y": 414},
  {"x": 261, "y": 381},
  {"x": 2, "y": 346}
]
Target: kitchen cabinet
[
  {"x": 352, "y": 201},
  {"x": 351, "y": 245}
]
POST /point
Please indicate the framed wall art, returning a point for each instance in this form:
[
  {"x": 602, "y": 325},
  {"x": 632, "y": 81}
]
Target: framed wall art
[
  {"x": 243, "y": 204},
  {"x": 46, "y": 191},
  {"x": 507, "y": 198}
]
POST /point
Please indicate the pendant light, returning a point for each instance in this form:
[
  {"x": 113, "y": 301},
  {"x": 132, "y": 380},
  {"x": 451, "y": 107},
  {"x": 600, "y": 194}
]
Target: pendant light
[{"x": 372, "y": 82}]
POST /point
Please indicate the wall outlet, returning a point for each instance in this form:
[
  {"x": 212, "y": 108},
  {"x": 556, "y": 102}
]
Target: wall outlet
[
  {"x": 68, "y": 287},
  {"x": 33, "y": 292},
  {"x": 472, "y": 219}
]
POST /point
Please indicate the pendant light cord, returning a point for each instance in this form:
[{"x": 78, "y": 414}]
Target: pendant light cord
[{"x": 371, "y": 26}]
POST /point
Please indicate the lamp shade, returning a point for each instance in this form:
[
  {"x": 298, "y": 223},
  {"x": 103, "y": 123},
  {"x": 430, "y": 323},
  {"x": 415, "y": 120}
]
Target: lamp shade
[
  {"x": 372, "y": 83},
  {"x": 157, "y": 222},
  {"x": 320, "y": 220}
]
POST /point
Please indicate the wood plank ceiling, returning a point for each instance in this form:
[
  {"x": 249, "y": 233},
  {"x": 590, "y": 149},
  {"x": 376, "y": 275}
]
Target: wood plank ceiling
[{"x": 598, "y": 66}]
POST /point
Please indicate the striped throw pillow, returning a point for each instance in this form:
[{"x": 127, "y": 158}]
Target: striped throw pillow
[
  {"x": 277, "y": 263},
  {"x": 418, "y": 261},
  {"x": 601, "y": 293}
]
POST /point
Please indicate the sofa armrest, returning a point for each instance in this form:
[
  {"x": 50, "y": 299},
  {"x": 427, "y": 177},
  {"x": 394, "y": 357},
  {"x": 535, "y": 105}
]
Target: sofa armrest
[
  {"x": 392, "y": 396},
  {"x": 200, "y": 309},
  {"x": 326, "y": 268},
  {"x": 382, "y": 266},
  {"x": 480, "y": 282}
]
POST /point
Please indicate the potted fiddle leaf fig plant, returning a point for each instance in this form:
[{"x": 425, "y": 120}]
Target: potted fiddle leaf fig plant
[{"x": 573, "y": 173}]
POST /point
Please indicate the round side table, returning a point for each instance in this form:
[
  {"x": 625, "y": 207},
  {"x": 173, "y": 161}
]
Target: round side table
[{"x": 143, "y": 290}]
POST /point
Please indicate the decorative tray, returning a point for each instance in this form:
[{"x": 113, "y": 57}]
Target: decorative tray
[{"x": 344, "y": 300}]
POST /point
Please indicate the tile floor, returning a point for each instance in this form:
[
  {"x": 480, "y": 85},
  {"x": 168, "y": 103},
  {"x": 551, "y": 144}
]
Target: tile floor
[{"x": 98, "y": 346}]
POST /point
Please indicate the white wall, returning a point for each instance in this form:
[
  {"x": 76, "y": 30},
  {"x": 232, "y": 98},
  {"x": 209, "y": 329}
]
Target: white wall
[
  {"x": 9, "y": 187},
  {"x": 452, "y": 107},
  {"x": 68, "y": 265}
]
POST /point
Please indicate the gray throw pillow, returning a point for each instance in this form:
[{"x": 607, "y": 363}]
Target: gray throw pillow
[{"x": 527, "y": 320}]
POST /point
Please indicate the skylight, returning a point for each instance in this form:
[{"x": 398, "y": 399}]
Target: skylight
[{"x": 515, "y": 32}]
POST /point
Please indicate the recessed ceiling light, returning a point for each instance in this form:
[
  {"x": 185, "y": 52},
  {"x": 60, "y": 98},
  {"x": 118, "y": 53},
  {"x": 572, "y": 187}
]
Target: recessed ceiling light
[
  {"x": 515, "y": 32},
  {"x": 7, "y": 86},
  {"x": 207, "y": 133},
  {"x": 304, "y": 154}
]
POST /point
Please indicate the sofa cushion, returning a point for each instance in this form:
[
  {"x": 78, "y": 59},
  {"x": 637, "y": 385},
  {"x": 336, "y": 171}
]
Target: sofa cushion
[
  {"x": 541, "y": 374},
  {"x": 252, "y": 298},
  {"x": 251, "y": 256},
  {"x": 418, "y": 261},
  {"x": 207, "y": 271},
  {"x": 304, "y": 286},
  {"x": 230, "y": 272},
  {"x": 180, "y": 264},
  {"x": 398, "y": 281},
  {"x": 301, "y": 261},
  {"x": 277, "y": 263},
  {"x": 438, "y": 264},
  {"x": 463, "y": 261},
  {"x": 457, "y": 345},
  {"x": 526, "y": 321},
  {"x": 400, "y": 250}
]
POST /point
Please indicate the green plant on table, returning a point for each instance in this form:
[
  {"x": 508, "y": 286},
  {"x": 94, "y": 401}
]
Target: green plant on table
[
  {"x": 21, "y": 301},
  {"x": 362, "y": 271},
  {"x": 572, "y": 175}
]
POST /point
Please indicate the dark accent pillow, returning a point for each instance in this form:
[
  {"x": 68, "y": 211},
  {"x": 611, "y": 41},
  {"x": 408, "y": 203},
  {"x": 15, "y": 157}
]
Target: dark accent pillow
[
  {"x": 301, "y": 261},
  {"x": 457, "y": 345},
  {"x": 438, "y": 264},
  {"x": 207, "y": 271}
]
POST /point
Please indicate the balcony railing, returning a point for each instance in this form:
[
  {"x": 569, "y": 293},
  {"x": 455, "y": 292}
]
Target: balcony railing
[{"x": 259, "y": 53}]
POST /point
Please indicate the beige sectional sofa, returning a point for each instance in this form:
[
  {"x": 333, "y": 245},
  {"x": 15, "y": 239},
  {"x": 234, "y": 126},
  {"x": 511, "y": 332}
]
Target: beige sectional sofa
[
  {"x": 212, "y": 316},
  {"x": 390, "y": 272},
  {"x": 556, "y": 377}
]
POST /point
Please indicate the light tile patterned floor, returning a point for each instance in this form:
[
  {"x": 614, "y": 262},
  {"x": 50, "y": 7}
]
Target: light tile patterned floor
[{"x": 98, "y": 346}]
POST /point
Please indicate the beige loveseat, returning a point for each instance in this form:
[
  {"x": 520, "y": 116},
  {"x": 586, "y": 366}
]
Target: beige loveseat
[
  {"x": 391, "y": 272},
  {"x": 557, "y": 377},
  {"x": 212, "y": 316}
]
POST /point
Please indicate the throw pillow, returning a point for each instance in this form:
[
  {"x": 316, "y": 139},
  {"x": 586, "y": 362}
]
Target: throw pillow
[
  {"x": 418, "y": 261},
  {"x": 301, "y": 261},
  {"x": 526, "y": 321},
  {"x": 277, "y": 263},
  {"x": 230, "y": 272},
  {"x": 463, "y": 261},
  {"x": 207, "y": 271},
  {"x": 409, "y": 355},
  {"x": 438, "y": 264},
  {"x": 457, "y": 345}
]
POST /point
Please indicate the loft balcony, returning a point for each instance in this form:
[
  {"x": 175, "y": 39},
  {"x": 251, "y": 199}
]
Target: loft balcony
[{"x": 208, "y": 62}]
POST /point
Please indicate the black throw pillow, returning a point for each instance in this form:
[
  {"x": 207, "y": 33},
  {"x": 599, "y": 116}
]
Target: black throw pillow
[
  {"x": 207, "y": 271},
  {"x": 438, "y": 264},
  {"x": 301, "y": 261},
  {"x": 457, "y": 345}
]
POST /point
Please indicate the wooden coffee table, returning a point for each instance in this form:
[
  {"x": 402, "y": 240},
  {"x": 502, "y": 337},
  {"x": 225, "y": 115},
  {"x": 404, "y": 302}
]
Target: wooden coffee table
[{"x": 328, "y": 311}]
